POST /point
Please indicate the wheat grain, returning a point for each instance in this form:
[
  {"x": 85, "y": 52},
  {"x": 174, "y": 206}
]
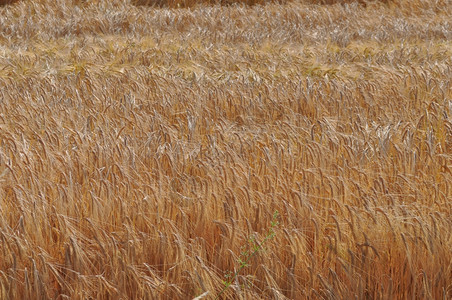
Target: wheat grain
[{"x": 141, "y": 146}]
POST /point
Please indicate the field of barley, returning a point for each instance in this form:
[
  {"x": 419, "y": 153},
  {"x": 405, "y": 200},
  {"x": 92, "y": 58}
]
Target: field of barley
[{"x": 237, "y": 149}]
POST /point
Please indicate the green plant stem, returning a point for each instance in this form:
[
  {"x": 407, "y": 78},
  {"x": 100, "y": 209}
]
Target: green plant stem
[{"x": 269, "y": 236}]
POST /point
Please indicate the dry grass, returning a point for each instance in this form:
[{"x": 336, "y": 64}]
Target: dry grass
[
  {"x": 140, "y": 149},
  {"x": 194, "y": 3}
]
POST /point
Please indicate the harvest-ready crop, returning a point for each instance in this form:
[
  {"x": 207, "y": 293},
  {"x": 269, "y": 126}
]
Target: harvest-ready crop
[{"x": 141, "y": 147}]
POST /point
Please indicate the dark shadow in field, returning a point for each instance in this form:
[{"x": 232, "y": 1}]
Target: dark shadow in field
[{"x": 5, "y": 2}]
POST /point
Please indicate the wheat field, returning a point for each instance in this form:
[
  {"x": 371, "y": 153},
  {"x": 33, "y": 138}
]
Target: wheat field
[{"x": 145, "y": 149}]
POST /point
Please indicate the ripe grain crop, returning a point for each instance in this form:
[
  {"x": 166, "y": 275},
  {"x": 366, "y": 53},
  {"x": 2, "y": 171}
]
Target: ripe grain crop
[{"x": 141, "y": 147}]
